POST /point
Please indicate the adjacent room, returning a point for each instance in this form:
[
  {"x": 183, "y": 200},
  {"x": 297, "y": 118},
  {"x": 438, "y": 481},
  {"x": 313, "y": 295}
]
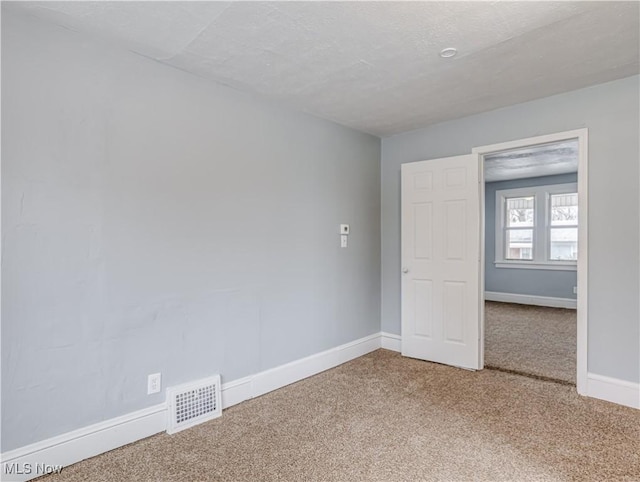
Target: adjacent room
[
  {"x": 320, "y": 241},
  {"x": 531, "y": 253}
]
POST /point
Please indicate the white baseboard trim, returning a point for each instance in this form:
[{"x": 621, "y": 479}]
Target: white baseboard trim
[
  {"x": 57, "y": 452},
  {"x": 390, "y": 341},
  {"x": 236, "y": 391},
  {"x": 269, "y": 380},
  {"x": 33, "y": 460},
  {"x": 613, "y": 390},
  {"x": 531, "y": 300},
  {"x": 52, "y": 454}
]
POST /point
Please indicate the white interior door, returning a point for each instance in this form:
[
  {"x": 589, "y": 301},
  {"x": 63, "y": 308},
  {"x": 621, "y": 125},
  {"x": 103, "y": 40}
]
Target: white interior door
[{"x": 440, "y": 261}]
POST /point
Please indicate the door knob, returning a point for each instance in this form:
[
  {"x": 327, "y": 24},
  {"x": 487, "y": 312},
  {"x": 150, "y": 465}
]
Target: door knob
[{"x": 405, "y": 270}]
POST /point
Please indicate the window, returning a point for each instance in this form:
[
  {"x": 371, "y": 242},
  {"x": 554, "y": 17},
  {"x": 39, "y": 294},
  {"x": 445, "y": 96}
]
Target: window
[
  {"x": 563, "y": 229},
  {"x": 537, "y": 227},
  {"x": 519, "y": 227}
]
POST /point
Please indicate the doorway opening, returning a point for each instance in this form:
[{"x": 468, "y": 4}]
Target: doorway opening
[{"x": 534, "y": 257}]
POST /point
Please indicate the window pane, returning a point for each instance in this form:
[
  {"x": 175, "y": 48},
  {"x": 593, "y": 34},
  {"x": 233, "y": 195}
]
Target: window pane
[
  {"x": 564, "y": 244},
  {"x": 564, "y": 209},
  {"x": 519, "y": 244},
  {"x": 519, "y": 211}
]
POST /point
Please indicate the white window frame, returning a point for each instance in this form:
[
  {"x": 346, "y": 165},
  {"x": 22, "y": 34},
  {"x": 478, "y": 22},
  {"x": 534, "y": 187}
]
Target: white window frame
[{"x": 541, "y": 228}]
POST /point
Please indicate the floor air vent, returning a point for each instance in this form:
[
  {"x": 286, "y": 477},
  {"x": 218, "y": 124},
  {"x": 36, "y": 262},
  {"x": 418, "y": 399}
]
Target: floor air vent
[{"x": 193, "y": 403}]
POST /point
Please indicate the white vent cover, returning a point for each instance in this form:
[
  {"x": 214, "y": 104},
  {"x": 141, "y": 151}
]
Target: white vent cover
[{"x": 193, "y": 403}]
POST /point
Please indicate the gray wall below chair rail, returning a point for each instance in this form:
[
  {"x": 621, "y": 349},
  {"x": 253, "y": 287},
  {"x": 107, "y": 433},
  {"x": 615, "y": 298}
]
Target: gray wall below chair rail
[
  {"x": 611, "y": 113},
  {"x": 154, "y": 221},
  {"x": 536, "y": 282}
]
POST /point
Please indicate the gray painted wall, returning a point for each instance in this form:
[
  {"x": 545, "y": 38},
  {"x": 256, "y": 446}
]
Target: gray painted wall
[
  {"x": 610, "y": 112},
  {"x": 537, "y": 282},
  {"x": 154, "y": 221}
]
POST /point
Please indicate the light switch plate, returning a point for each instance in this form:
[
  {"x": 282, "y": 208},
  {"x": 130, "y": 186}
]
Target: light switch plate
[
  {"x": 344, "y": 229},
  {"x": 344, "y": 241}
]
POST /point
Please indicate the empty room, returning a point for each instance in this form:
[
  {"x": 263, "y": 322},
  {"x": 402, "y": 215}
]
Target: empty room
[
  {"x": 325, "y": 241},
  {"x": 531, "y": 252}
]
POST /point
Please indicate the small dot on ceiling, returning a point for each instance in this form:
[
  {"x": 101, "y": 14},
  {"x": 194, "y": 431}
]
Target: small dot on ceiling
[{"x": 448, "y": 52}]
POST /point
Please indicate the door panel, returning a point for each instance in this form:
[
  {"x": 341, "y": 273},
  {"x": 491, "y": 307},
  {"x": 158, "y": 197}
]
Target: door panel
[
  {"x": 423, "y": 302},
  {"x": 440, "y": 261},
  {"x": 423, "y": 229},
  {"x": 455, "y": 222}
]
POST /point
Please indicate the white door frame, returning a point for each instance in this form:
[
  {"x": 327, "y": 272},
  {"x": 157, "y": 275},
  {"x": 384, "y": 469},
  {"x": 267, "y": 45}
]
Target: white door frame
[{"x": 583, "y": 251}]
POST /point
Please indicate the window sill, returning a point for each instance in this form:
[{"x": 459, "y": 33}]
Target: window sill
[{"x": 533, "y": 265}]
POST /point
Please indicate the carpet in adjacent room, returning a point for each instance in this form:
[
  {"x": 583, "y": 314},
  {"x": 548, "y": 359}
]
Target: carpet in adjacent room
[{"x": 531, "y": 340}]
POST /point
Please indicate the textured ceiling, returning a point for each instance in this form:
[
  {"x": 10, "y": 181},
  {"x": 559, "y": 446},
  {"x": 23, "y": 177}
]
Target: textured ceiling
[
  {"x": 374, "y": 66},
  {"x": 541, "y": 160}
]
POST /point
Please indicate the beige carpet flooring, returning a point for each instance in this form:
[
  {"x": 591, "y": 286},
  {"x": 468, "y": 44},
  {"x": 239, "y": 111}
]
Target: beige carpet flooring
[
  {"x": 383, "y": 417},
  {"x": 531, "y": 340}
]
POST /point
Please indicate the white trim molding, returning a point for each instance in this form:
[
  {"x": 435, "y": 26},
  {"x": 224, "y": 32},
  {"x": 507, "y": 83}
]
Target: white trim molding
[
  {"x": 532, "y": 265},
  {"x": 613, "y": 390},
  {"x": 283, "y": 375},
  {"x": 531, "y": 300},
  {"x": 390, "y": 341},
  {"x": 53, "y": 454}
]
